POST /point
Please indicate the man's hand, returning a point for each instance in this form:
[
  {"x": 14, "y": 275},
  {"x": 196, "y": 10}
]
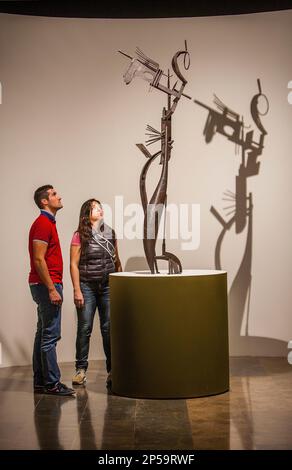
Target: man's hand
[
  {"x": 55, "y": 297},
  {"x": 78, "y": 299}
]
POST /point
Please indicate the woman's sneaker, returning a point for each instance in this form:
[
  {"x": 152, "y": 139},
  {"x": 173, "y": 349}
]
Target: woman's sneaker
[
  {"x": 80, "y": 377},
  {"x": 60, "y": 389}
]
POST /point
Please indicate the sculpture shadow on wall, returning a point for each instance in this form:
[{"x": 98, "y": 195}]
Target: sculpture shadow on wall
[{"x": 239, "y": 211}]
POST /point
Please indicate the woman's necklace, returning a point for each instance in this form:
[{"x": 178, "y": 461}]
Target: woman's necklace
[{"x": 104, "y": 243}]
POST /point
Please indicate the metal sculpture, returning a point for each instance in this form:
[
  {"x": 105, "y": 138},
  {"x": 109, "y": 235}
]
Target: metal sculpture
[{"x": 149, "y": 70}]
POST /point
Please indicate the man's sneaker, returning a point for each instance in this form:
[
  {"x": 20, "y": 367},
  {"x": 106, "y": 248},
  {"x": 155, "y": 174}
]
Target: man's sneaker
[
  {"x": 80, "y": 377},
  {"x": 109, "y": 380},
  {"x": 60, "y": 389}
]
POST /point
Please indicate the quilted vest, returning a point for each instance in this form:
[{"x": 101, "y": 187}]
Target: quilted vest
[{"x": 95, "y": 262}]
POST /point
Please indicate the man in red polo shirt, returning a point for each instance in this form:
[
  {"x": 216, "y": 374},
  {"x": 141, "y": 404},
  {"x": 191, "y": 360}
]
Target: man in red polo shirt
[{"x": 45, "y": 280}]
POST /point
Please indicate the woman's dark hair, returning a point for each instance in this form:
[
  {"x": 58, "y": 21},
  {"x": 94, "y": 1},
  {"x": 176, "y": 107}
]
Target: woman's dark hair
[{"x": 84, "y": 227}]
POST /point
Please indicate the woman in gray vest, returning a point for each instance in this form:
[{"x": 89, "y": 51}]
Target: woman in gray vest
[{"x": 93, "y": 256}]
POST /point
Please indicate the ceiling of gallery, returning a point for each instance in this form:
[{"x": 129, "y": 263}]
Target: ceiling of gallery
[{"x": 138, "y": 9}]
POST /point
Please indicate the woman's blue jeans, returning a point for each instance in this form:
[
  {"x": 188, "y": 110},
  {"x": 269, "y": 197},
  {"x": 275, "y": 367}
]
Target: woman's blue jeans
[
  {"x": 96, "y": 295},
  {"x": 45, "y": 366}
]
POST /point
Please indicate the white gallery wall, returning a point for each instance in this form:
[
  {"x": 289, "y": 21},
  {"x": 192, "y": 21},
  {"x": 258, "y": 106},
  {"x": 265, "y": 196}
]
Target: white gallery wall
[{"x": 68, "y": 119}]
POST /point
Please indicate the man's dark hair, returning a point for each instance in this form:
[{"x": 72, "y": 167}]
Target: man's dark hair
[{"x": 41, "y": 193}]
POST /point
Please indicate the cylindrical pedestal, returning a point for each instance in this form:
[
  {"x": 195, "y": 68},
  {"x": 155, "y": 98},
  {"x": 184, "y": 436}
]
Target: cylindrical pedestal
[{"x": 169, "y": 334}]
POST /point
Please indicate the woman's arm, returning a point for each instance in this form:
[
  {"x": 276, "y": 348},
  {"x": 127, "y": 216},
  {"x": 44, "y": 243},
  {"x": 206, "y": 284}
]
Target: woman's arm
[
  {"x": 118, "y": 264},
  {"x": 75, "y": 252}
]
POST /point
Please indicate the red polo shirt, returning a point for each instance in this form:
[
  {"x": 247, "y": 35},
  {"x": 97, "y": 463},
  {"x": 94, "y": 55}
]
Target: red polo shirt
[{"x": 44, "y": 229}]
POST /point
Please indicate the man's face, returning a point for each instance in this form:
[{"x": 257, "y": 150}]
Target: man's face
[{"x": 53, "y": 202}]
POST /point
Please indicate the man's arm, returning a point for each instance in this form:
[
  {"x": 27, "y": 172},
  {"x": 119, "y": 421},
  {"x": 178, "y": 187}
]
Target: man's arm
[
  {"x": 39, "y": 252},
  {"x": 118, "y": 264}
]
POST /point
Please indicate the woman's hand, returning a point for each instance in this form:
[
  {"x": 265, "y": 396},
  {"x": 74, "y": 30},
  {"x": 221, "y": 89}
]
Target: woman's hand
[
  {"x": 118, "y": 265},
  {"x": 75, "y": 251},
  {"x": 78, "y": 299}
]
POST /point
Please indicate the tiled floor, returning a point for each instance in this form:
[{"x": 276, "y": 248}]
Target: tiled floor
[{"x": 255, "y": 414}]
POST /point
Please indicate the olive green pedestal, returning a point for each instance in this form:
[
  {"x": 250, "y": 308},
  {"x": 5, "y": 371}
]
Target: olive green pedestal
[{"x": 169, "y": 334}]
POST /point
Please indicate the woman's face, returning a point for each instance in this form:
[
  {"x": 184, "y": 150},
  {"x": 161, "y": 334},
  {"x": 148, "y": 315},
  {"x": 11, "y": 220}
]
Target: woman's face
[{"x": 96, "y": 212}]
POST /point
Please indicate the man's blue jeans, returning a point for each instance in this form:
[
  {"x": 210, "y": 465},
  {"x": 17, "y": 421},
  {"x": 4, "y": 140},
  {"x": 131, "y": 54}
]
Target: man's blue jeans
[
  {"x": 45, "y": 366},
  {"x": 95, "y": 294}
]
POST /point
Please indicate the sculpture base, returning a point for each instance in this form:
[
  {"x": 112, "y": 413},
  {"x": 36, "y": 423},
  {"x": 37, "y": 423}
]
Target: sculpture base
[{"x": 169, "y": 334}]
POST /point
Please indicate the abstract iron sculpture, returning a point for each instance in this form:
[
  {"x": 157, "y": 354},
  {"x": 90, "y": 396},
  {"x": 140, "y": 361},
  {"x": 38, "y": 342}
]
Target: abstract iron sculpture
[{"x": 147, "y": 69}]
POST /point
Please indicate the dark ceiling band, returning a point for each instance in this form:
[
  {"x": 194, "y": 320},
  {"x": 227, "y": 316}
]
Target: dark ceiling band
[{"x": 151, "y": 9}]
